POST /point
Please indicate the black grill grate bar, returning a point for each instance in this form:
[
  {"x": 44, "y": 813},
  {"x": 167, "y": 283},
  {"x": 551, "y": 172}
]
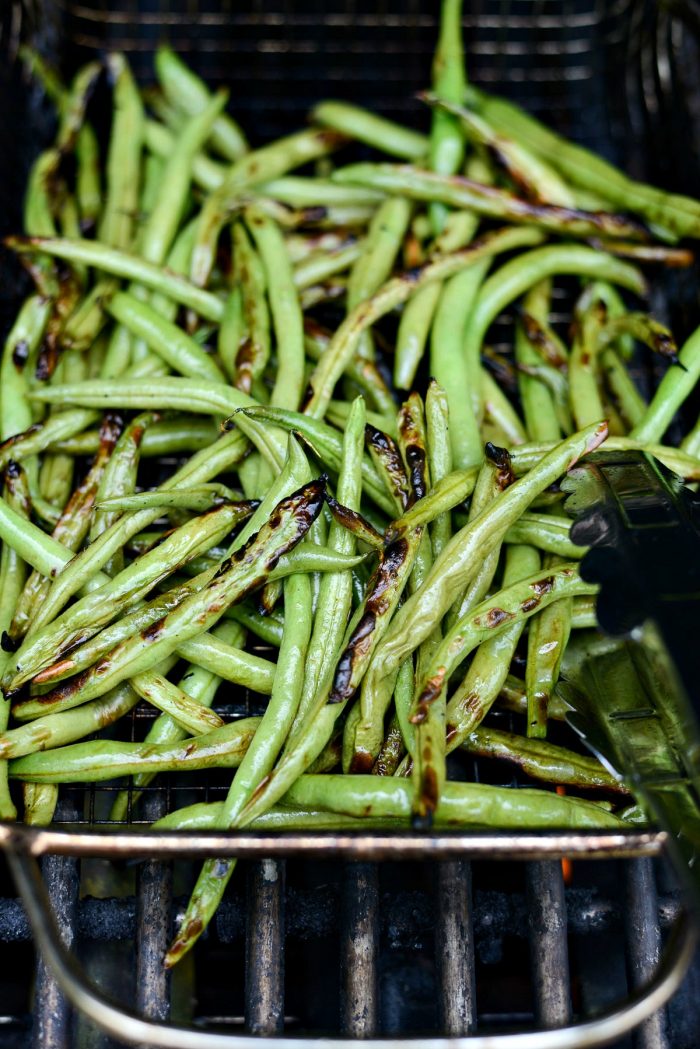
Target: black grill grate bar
[
  {"x": 359, "y": 950},
  {"x": 454, "y": 949},
  {"x": 264, "y": 970},
  {"x": 153, "y": 904},
  {"x": 549, "y": 955},
  {"x": 53, "y": 1017},
  {"x": 643, "y": 940}
]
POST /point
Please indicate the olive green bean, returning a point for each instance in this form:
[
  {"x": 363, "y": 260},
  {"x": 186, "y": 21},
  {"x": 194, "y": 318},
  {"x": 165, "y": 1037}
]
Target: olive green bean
[
  {"x": 85, "y": 617},
  {"x": 446, "y": 152},
  {"x": 416, "y": 321},
  {"x": 473, "y": 804},
  {"x": 180, "y": 351},
  {"x": 541, "y": 760},
  {"x": 371, "y": 129},
  {"x": 460, "y": 192},
  {"x": 259, "y": 166},
  {"x": 458, "y": 563},
  {"x": 198, "y": 612},
  {"x": 680, "y": 215},
  {"x": 548, "y": 635},
  {"x": 285, "y": 309},
  {"x": 674, "y": 388},
  {"x": 190, "y": 95},
  {"x": 488, "y": 670},
  {"x": 106, "y": 759},
  {"x": 123, "y": 159},
  {"x": 344, "y": 343},
  {"x": 122, "y": 264}
]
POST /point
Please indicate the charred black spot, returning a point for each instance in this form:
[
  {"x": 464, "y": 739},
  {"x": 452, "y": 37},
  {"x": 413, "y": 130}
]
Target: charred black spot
[
  {"x": 260, "y": 788},
  {"x": 412, "y": 276},
  {"x": 13, "y": 471},
  {"x": 532, "y": 602},
  {"x": 496, "y": 616},
  {"x": 543, "y": 586},
  {"x": 153, "y": 632},
  {"x": 415, "y": 459},
  {"x": 450, "y": 734},
  {"x": 342, "y": 687},
  {"x": 361, "y": 762},
  {"x": 7, "y": 643},
  {"x": 498, "y": 456},
  {"x": 20, "y": 352}
]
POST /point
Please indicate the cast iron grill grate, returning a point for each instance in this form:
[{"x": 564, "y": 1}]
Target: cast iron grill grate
[{"x": 520, "y": 949}]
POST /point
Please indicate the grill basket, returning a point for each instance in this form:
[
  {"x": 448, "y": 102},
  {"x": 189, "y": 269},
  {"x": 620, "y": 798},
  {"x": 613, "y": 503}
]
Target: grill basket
[{"x": 621, "y": 78}]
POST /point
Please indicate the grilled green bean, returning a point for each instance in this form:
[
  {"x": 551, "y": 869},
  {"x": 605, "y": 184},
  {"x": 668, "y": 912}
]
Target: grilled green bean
[
  {"x": 446, "y": 151},
  {"x": 371, "y": 129}
]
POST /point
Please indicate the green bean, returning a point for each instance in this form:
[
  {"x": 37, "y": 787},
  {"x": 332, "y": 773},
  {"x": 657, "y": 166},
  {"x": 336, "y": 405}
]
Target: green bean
[
  {"x": 259, "y": 166},
  {"x": 122, "y": 264},
  {"x": 512, "y": 280},
  {"x": 584, "y": 395},
  {"x": 191, "y": 95},
  {"x": 539, "y": 412},
  {"x": 499, "y": 410},
  {"x": 527, "y": 171},
  {"x": 13, "y": 572},
  {"x": 200, "y": 498},
  {"x": 123, "y": 159},
  {"x": 545, "y": 532},
  {"x": 207, "y": 173},
  {"x": 335, "y": 591},
  {"x": 344, "y": 343},
  {"x": 412, "y": 336},
  {"x": 202, "y": 686},
  {"x": 260, "y": 757},
  {"x": 268, "y": 627},
  {"x": 547, "y": 638},
  {"x": 250, "y": 354},
  {"x": 393, "y": 748},
  {"x": 462, "y": 804},
  {"x": 88, "y": 189},
  {"x": 229, "y": 662},
  {"x": 454, "y": 488},
  {"x": 680, "y": 215},
  {"x": 119, "y": 478},
  {"x": 170, "y": 343},
  {"x": 674, "y": 388},
  {"x": 541, "y": 760},
  {"x": 40, "y": 800},
  {"x": 106, "y": 759},
  {"x": 29, "y": 542},
  {"x": 300, "y": 192},
  {"x": 326, "y": 444},
  {"x": 385, "y": 456},
  {"x": 488, "y": 670},
  {"x": 459, "y": 561},
  {"x": 446, "y": 151},
  {"x": 583, "y": 617},
  {"x": 284, "y": 306},
  {"x": 339, "y": 411},
  {"x": 618, "y": 380},
  {"x": 244, "y": 571},
  {"x": 517, "y": 602},
  {"x": 141, "y": 619},
  {"x": 55, "y": 730},
  {"x": 447, "y": 362},
  {"x": 512, "y": 695},
  {"x": 460, "y": 192},
  {"x": 371, "y": 129},
  {"x": 321, "y": 265},
  {"x": 70, "y": 530},
  {"x": 171, "y": 700},
  {"x": 21, "y": 343},
  {"x": 386, "y": 232},
  {"x": 686, "y": 466},
  {"x": 85, "y": 617},
  {"x": 364, "y": 373}
]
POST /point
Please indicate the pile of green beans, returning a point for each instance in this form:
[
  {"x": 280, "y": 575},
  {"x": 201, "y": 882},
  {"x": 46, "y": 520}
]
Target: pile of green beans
[{"x": 219, "y": 432}]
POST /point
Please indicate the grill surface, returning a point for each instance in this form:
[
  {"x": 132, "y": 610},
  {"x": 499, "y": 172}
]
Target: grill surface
[{"x": 398, "y": 948}]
